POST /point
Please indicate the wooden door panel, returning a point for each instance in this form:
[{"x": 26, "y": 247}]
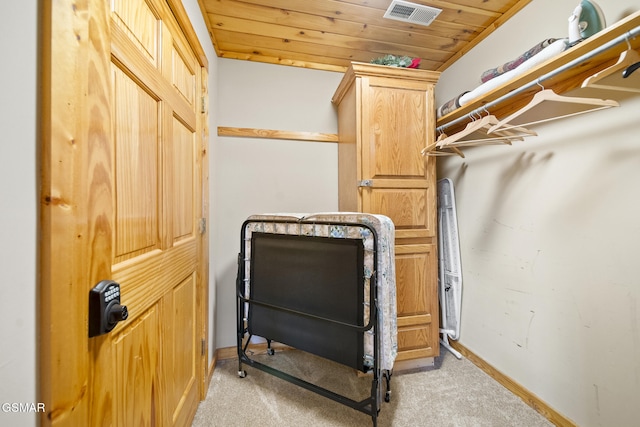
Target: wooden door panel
[
  {"x": 396, "y": 134},
  {"x": 136, "y": 138},
  {"x": 142, "y": 25},
  {"x": 415, "y": 343},
  {"x": 183, "y": 73},
  {"x": 415, "y": 280},
  {"x": 418, "y": 323},
  {"x": 136, "y": 371},
  {"x": 145, "y": 280},
  {"x": 180, "y": 347},
  {"x": 408, "y": 208},
  {"x": 155, "y": 80},
  {"x": 183, "y": 161}
]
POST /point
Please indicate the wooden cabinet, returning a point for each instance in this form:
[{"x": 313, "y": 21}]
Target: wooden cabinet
[{"x": 386, "y": 116}]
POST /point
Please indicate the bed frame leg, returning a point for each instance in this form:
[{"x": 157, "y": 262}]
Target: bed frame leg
[
  {"x": 241, "y": 353},
  {"x": 375, "y": 405},
  {"x": 241, "y": 372},
  {"x": 270, "y": 351},
  {"x": 387, "y": 377}
]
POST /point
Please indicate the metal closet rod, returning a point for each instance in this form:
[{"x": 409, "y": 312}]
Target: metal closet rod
[{"x": 622, "y": 38}]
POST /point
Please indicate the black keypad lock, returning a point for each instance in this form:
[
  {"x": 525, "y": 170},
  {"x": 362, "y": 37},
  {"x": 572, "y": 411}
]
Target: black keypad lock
[{"x": 105, "y": 310}]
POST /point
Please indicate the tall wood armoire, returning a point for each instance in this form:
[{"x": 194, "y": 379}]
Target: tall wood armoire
[{"x": 386, "y": 116}]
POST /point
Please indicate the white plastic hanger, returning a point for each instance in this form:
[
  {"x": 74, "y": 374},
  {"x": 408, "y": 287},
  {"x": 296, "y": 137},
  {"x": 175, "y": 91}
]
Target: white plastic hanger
[
  {"x": 434, "y": 150},
  {"x": 613, "y": 78},
  {"x": 477, "y": 133},
  {"x": 547, "y": 105}
]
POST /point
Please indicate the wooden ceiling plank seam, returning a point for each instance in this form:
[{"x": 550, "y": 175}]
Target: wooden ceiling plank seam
[
  {"x": 290, "y": 33},
  {"x": 224, "y": 7},
  {"x": 456, "y": 41},
  {"x": 334, "y": 9},
  {"x": 491, "y": 5},
  {"x": 208, "y": 23},
  {"x": 269, "y": 47},
  {"x": 340, "y": 26},
  {"x": 449, "y": 7},
  {"x": 288, "y": 62},
  {"x": 333, "y": 32},
  {"x": 265, "y": 44},
  {"x": 252, "y": 43},
  {"x": 454, "y": 12},
  {"x": 284, "y": 56},
  {"x": 294, "y": 51}
]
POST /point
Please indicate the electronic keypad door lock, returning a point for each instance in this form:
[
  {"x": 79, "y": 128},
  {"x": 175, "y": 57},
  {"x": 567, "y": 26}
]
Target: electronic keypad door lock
[{"x": 105, "y": 310}]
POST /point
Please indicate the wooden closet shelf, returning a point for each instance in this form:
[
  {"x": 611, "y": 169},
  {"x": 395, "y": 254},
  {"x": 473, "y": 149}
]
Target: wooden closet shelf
[
  {"x": 561, "y": 83},
  {"x": 277, "y": 134}
]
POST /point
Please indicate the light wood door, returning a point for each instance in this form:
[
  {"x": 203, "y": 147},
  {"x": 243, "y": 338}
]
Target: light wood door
[
  {"x": 124, "y": 170},
  {"x": 395, "y": 126}
]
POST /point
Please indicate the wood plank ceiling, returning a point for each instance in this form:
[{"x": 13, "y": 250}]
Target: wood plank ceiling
[{"x": 329, "y": 34}]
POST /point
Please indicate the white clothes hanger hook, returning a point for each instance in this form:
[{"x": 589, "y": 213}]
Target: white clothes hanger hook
[{"x": 626, "y": 38}]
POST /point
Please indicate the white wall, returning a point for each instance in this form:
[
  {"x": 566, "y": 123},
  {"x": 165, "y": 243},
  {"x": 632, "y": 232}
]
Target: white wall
[
  {"x": 262, "y": 175},
  {"x": 18, "y": 173},
  {"x": 550, "y": 238}
]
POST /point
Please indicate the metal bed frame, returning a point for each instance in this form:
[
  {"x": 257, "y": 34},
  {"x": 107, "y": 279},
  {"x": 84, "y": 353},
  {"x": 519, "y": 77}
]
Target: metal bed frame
[{"x": 371, "y": 404}]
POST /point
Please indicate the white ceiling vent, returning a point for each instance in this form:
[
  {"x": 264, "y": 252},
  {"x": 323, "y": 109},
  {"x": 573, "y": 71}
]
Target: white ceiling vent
[{"x": 410, "y": 12}]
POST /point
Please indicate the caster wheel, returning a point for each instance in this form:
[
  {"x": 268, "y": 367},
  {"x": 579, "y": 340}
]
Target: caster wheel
[
  {"x": 242, "y": 374},
  {"x": 271, "y": 351},
  {"x": 387, "y": 396}
]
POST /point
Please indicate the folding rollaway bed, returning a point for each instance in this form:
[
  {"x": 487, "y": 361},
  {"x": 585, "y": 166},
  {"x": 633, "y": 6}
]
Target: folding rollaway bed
[{"x": 324, "y": 284}]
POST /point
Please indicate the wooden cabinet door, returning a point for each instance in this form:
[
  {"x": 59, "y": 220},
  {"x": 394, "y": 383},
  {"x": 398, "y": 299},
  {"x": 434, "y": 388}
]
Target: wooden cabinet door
[
  {"x": 397, "y": 181},
  {"x": 394, "y": 129},
  {"x": 123, "y": 188}
]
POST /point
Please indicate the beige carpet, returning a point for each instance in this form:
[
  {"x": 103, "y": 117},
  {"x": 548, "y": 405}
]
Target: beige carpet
[{"x": 454, "y": 393}]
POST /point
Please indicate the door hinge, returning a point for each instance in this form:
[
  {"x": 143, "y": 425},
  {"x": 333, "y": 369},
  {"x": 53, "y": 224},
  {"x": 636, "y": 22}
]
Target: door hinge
[
  {"x": 203, "y": 104},
  {"x": 203, "y": 347},
  {"x": 202, "y": 226}
]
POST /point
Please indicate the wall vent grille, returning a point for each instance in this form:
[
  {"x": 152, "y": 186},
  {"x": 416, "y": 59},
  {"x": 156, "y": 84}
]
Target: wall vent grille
[{"x": 410, "y": 12}]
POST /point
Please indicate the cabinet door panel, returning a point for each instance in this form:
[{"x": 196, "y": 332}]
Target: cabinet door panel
[
  {"x": 394, "y": 132},
  {"x": 415, "y": 280},
  {"x": 415, "y": 343},
  {"x": 410, "y": 209},
  {"x": 416, "y": 283}
]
